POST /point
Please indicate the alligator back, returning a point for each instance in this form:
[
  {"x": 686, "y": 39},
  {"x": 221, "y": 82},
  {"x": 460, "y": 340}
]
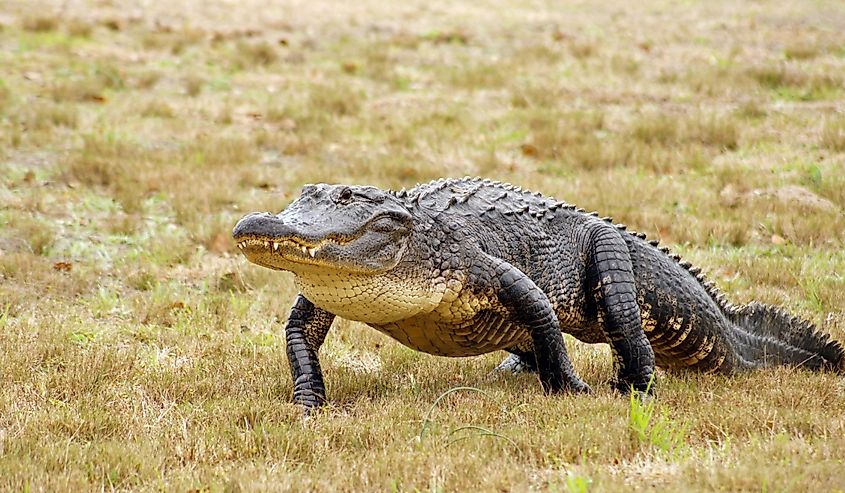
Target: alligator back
[{"x": 687, "y": 320}]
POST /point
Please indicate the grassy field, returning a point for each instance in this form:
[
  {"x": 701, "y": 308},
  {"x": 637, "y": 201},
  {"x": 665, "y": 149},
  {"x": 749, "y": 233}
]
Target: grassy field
[{"x": 140, "y": 351}]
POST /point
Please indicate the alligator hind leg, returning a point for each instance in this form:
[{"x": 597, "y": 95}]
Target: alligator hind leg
[
  {"x": 518, "y": 362},
  {"x": 610, "y": 279}
]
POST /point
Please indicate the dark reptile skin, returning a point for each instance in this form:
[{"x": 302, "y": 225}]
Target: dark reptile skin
[
  {"x": 529, "y": 268},
  {"x": 306, "y": 329}
]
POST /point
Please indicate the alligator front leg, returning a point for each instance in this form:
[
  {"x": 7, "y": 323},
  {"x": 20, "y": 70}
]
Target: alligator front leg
[
  {"x": 306, "y": 330},
  {"x": 610, "y": 279},
  {"x": 529, "y": 306}
]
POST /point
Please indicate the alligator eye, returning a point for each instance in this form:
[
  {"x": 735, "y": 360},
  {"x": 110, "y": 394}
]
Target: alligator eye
[
  {"x": 345, "y": 195},
  {"x": 383, "y": 225}
]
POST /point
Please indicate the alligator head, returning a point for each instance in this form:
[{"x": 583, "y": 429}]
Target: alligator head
[{"x": 345, "y": 229}]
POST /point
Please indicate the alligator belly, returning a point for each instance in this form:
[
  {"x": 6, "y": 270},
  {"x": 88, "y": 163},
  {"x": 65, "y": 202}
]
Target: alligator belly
[{"x": 482, "y": 334}]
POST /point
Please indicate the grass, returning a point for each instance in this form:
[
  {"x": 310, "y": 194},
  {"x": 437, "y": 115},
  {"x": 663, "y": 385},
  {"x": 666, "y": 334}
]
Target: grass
[
  {"x": 654, "y": 430},
  {"x": 141, "y": 352},
  {"x": 833, "y": 134}
]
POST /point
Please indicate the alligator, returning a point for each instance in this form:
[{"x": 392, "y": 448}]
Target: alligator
[{"x": 462, "y": 267}]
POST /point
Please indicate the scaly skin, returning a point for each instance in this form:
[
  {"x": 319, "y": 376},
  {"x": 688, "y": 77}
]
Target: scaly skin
[{"x": 466, "y": 266}]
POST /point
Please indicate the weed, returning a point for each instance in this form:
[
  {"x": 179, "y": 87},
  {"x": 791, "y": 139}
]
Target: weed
[
  {"x": 427, "y": 421},
  {"x": 480, "y": 431},
  {"x": 576, "y": 483},
  {"x": 655, "y": 430},
  {"x": 82, "y": 337}
]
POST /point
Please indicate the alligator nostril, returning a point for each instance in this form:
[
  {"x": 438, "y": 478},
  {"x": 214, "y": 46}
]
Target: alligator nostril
[
  {"x": 249, "y": 223},
  {"x": 261, "y": 224}
]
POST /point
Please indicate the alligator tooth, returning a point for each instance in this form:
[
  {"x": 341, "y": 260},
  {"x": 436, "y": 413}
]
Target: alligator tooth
[
  {"x": 241, "y": 245},
  {"x": 267, "y": 244},
  {"x": 312, "y": 251},
  {"x": 275, "y": 245},
  {"x": 304, "y": 249}
]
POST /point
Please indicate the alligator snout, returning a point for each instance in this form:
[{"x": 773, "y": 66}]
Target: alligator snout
[{"x": 262, "y": 224}]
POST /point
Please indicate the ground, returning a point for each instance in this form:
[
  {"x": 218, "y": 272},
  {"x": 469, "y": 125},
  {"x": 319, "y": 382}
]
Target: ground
[{"x": 140, "y": 351}]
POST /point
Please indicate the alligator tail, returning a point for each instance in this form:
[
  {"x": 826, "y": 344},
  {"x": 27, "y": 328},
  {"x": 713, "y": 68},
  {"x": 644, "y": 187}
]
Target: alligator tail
[{"x": 767, "y": 336}]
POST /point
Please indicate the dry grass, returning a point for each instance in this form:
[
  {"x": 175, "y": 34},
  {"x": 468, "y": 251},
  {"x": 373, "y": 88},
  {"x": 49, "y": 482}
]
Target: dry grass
[
  {"x": 139, "y": 352},
  {"x": 39, "y": 22},
  {"x": 833, "y": 134}
]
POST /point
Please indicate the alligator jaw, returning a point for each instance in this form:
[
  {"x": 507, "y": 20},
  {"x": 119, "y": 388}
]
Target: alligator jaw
[
  {"x": 285, "y": 249},
  {"x": 275, "y": 245}
]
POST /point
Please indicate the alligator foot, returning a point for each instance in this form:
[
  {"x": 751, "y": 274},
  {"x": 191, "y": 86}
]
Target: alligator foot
[
  {"x": 525, "y": 363},
  {"x": 642, "y": 385},
  {"x": 580, "y": 387},
  {"x": 516, "y": 363}
]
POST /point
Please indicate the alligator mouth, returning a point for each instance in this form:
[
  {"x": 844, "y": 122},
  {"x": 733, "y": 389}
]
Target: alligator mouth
[
  {"x": 275, "y": 245},
  {"x": 289, "y": 249}
]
